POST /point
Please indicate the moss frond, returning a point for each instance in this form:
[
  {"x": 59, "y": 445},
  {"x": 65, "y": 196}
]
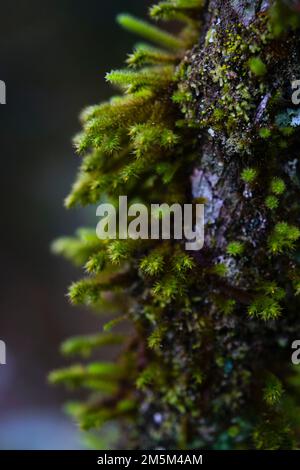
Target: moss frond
[
  {"x": 153, "y": 264},
  {"x": 182, "y": 10},
  {"x": 131, "y": 81},
  {"x": 85, "y": 345},
  {"x": 257, "y": 66},
  {"x": 100, "y": 376},
  {"x": 146, "y": 55},
  {"x": 284, "y": 237},
  {"x": 77, "y": 249}
]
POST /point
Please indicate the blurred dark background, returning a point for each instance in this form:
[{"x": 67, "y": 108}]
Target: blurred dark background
[{"x": 53, "y": 58}]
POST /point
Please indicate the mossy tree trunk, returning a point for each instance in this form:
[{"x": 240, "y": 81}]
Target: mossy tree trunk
[{"x": 211, "y": 121}]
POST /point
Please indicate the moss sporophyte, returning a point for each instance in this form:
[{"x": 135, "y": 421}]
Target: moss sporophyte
[{"x": 203, "y": 116}]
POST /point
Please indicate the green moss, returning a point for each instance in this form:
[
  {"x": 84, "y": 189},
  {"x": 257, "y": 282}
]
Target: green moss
[
  {"x": 282, "y": 18},
  {"x": 271, "y": 202},
  {"x": 149, "y": 32},
  {"x": 235, "y": 248},
  {"x": 188, "y": 356},
  {"x": 232, "y": 108},
  {"x": 266, "y": 304},
  {"x": 249, "y": 175},
  {"x": 273, "y": 391},
  {"x": 265, "y": 133},
  {"x": 277, "y": 186},
  {"x": 219, "y": 269},
  {"x": 283, "y": 237},
  {"x": 257, "y": 66}
]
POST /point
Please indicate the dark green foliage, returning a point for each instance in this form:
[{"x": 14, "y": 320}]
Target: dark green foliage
[
  {"x": 273, "y": 391},
  {"x": 79, "y": 249},
  {"x": 91, "y": 375},
  {"x": 249, "y": 175},
  {"x": 146, "y": 55},
  {"x": 198, "y": 367},
  {"x": 283, "y": 237},
  {"x": 235, "y": 248},
  {"x": 272, "y": 202}
]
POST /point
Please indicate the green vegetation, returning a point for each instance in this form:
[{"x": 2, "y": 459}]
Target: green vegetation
[
  {"x": 257, "y": 66},
  {"x": 249, "y": 175}
]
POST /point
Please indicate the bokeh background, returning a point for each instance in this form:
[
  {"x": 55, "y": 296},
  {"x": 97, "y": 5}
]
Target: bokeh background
[{"x": 53, "y": 57}]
